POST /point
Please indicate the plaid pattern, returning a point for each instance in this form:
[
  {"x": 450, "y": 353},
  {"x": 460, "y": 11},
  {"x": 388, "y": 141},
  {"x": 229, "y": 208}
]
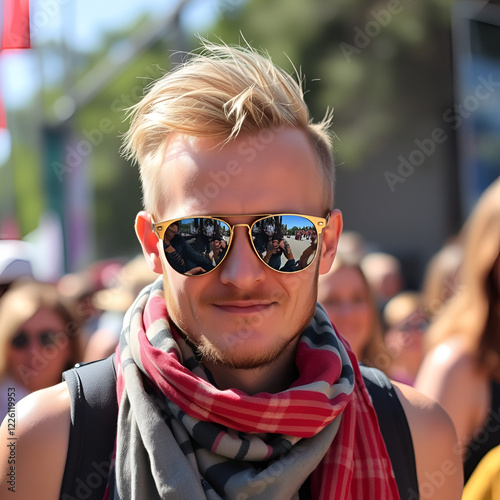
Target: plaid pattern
[{"x": 179, "y": 437}]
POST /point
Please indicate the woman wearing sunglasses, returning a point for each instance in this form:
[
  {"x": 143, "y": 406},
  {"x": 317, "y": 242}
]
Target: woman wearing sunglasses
[{"x": 39, "y": 339}]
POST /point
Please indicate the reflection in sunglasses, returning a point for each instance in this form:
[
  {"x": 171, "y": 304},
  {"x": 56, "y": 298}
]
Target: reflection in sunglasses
[{"x": 197, "y": 245}]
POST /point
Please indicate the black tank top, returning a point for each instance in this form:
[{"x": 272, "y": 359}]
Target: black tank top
[
  {"x": 488, "y": 437},
  {"x": 94, "y": 412}
]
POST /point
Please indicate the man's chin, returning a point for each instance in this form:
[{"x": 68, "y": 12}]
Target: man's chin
[{"x": 246, "y": 356}]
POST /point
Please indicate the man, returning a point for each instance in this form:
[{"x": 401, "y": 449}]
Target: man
[{"x": 232, "y": 383}]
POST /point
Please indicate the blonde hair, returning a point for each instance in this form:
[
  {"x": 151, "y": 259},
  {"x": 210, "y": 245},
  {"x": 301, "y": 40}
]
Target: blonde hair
[
  {"x": 441, "y": 277},
  {"x": 399, "y": 307},
  {"x": 220, "y": 92},
  {"x": 474, "y": 312}
]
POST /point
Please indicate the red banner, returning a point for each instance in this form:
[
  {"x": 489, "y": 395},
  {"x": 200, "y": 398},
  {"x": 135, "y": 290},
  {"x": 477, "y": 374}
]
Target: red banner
[{"x": 16, "y": 24}]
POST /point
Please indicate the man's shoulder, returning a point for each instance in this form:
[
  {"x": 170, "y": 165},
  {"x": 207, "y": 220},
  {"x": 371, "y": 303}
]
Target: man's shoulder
[
  {"x": 439, "y": 467},
  {"x": 40, "y": 425}
]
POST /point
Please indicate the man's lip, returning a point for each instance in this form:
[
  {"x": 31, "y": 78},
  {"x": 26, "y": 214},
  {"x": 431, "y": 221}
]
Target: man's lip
[{"x": 244, "y": 307}]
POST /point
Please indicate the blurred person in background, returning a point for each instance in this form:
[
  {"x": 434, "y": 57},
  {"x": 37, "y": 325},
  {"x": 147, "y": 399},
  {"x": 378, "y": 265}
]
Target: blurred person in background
[
  {"x": 114, "y": 302},
  {"x": 80, "y": 288},
  {"x": 15, "y": 262},
  {"x": 383, "y": 273},
  {"x": 484, "y": 483},
  {"x": 348, "y": 300},
  {"x": 441, "y": 277},
  {"x": 352, "y": 246},
  {"x": 406, "y": 323},
  {"x": 462, "y": 368},
  {"x": 39, "y": 339}
]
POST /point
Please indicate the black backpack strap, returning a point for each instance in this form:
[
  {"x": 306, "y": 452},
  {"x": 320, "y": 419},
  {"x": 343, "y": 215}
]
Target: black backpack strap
[
  {"x": 94, "y": 413},
  {"x": 395, "y": 431}
]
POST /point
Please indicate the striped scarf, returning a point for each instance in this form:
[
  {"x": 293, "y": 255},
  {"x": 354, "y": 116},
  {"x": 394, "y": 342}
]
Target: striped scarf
[{"x": 179, "y": 437}]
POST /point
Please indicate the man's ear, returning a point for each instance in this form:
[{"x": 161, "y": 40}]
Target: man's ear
[
  {"x": 149, "y": 241},
  {"x": 330, "y": 239}
]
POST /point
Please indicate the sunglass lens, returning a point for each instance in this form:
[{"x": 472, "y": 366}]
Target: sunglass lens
[
  {"x": 20, "y": 341},
  {"x": 48, "y": 338},
  {"x": 196, "y": 246},
  {"x": 286, "y": 243}
]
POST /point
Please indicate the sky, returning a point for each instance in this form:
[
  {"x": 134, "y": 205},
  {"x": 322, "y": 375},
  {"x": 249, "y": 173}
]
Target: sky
[
  {"x": 85, "y": 24},
  {"x": 92, "y": 19}
]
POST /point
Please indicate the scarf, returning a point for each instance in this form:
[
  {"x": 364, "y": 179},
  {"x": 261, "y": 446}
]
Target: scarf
[{"x": 179, "y": 437}]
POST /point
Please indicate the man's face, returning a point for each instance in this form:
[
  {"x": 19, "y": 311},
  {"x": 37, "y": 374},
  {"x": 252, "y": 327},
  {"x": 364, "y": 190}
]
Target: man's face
[
  {"x": 243, "y": 314},
  {"x": 270, "y": 229},
  {"x": 208, "y": 230}
]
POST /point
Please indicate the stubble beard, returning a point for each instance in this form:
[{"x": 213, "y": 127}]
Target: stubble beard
[{"x": 210, "y": 353}]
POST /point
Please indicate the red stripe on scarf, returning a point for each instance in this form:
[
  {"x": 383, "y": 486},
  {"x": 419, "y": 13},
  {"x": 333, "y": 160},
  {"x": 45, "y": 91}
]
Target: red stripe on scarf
[
  {"x": 358, "y": 441},
  {"x": 345, "y": 472},
  {"x": 156, "y": 309},
  {"x": 299, "y": 413},
  {"x": 218, "y": 439},
  {"x": 314, "y": 371},
  {"x": 120, "y": 381},
  {"x": 16, "y": 25}
]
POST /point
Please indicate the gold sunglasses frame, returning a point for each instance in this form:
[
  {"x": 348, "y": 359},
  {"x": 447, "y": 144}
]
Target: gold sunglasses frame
[{"x": 319, "y": 224}]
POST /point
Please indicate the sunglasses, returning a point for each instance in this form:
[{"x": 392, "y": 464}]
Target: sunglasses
[
  {"x": 408, "y": 326},
  {"x": 22, "y": 340},
  {"x": 286, "y": 243}
]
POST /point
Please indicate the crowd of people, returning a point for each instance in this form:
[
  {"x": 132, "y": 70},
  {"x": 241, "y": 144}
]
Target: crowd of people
[{"x": 441, "y": 339}]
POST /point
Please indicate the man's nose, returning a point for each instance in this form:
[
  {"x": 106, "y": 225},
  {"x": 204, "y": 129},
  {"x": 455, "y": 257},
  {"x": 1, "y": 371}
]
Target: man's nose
[{"x": 242, "y": 267}]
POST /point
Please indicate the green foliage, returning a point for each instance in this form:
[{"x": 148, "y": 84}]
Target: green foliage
[
  {"x": 27, "y": 181},
  {"x": 115, "y": 183},
  {"x": 21, "y": 178},
  {"x": 369, "y": 60},
  {"x": 380, "y": 92}
]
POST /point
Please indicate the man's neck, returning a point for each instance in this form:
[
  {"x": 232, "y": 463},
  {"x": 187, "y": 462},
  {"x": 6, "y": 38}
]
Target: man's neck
[{"x": 274, "y": 377}]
